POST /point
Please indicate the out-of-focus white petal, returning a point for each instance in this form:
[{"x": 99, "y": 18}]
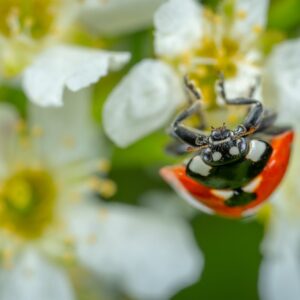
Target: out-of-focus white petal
[
  {"x": 148, "y": 255},
  {"x": 64, "y": 66},
  {"x": 256, "y": 14},
  {"x": 168, "y": 203},
  {"x": 282, "y": 81},
  {"x": 280, "y": 269},
  {"x": 279, "y": 278},
  {"x": 118, "y": 16},
  {"x": 68, "y": 133},
  {"x": 33, "y": 278},
  {"x": 143, "y": 102},
  {"x": 178, "y": 27}
]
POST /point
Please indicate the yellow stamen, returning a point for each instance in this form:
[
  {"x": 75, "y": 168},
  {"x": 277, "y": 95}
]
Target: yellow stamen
[
  {"x": 257, "y": 29},
  {"x": 27, "y": 199},
  {"x": 241, "y": 14}
]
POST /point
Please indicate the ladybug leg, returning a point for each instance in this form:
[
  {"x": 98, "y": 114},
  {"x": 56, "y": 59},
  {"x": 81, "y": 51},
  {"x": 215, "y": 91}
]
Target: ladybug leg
[
  {"x": 267, "y": 125},
  {"x": 193, "y": 137},
  {"x": 254, "y": 87},
  {"x": 255, "y": 114},
  {"x": 268, "y": 120},
  {"x": 177, "y": 148},
  {"x": 194, "y": 95}
]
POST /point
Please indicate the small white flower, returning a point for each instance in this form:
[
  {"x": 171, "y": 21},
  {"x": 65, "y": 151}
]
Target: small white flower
[
  {"x": 116, "y": 17},
  {"x": 65, "y": 66},
  {"x": 144, "y": 101},
  {"x": 283, "y": 81},
  {"x": 178, "y": 27},
  {"x": 193, "y": 41},
  {"x": 33, "y": 48},
  {"x": 49, "y": 217}
]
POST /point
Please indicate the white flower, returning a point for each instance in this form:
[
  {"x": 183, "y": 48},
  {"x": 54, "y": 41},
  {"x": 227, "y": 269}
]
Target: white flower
[
  {"x": 280, "y": 269},
  {"x": 36, "y": 45},
  {"x": 178, "y": 27},
  {"x": 135, "y": 107},
  {"x": 116, "y": 17},
  {"x": 65, "y": 66},
  {"x": 50, "y": 219},
  {"x": 193, "y": 41},
  {"x": 283, "y": 81}
]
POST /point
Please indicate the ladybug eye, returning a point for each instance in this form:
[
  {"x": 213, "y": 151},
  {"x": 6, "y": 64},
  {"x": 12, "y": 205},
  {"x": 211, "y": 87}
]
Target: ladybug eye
[{"x": 216, "y": 135}]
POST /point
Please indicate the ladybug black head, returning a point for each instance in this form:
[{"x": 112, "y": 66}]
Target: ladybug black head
[
  {"x": 220, "y": 134},
  {"x": 224, "y": 147}
]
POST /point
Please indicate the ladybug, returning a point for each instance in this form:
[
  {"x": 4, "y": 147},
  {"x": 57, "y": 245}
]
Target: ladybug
[{"x": 232, "y": 172}]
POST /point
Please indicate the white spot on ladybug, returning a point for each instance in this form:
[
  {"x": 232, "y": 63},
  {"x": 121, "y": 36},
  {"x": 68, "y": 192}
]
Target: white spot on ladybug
[
  {"x": 253, "y": 185},
  {"x": 223, "y": 194},
  {"x": 198, "y": 166},
  {"x": 216, "y": 156},
  {"x": 256, "y": 151},
  {"x": 234, "y": 151}
]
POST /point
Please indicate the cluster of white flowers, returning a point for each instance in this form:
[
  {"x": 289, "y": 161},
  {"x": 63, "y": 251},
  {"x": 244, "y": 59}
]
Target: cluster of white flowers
[
  {"x": 51, "y": 172},
  {"x": 152, "y": 92},
  {"x": 51, "y": 217}
]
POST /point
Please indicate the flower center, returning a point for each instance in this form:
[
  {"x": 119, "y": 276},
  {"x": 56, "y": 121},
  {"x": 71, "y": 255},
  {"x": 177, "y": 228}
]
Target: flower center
[
  {"x": 34, "y": 18},
  {"x": 24, "y": 25},
  {"x": 219, "y": 50},
  {"x": 27, "y": 201}
]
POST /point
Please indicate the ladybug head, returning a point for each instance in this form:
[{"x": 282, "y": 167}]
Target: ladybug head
[
  {"x": 224, "y": 147},
  {"x": 220, "y": 134}
]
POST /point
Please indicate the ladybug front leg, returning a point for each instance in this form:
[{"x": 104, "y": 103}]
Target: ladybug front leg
[
  {"x": 255, "y": 114},
  {"x": 193, "y": 137},
  {"x": 194, "y": 95}
]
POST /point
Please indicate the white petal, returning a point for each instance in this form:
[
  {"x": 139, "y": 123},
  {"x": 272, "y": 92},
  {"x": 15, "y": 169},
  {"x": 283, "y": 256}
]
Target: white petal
[
  {"x": 178, "y": 27},
  {"x": 118, "y": 16},
  {"x": 282, "y": 83},
  {"x": 64, "y": 66},
  {"x": 280, "y": 270},
  {"x": 167, "y": 203},
  {"x": 143, "y": 102},
  {"x": 150, "y": 256},
  {"x": 33, "y": 278},
  {"x": 68, "y": 132},
  {"x": 279, "y": 278},
  {"x": 256, "y": 13}
]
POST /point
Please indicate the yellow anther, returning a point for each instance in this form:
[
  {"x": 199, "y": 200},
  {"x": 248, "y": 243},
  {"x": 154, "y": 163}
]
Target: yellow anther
[
  {"x": 20, "y": 126},
  {"x": 69, "y": 257},
  {"x": 105, "y": 187},
  {"x": 7, "y": 257},
  {"x": 241, "y": 14},
  {"x": 257, "y": 29},
  {"x": 104, "y": 166}
]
